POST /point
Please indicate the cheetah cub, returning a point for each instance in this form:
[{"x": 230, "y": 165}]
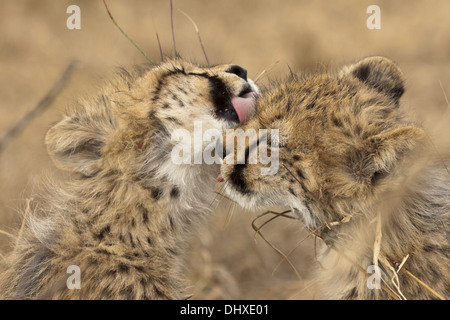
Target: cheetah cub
[
  {"x": 360, "y": 175},
  {"x": 125, "y": 217}
]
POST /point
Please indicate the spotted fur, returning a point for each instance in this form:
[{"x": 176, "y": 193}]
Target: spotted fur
[
  {"x": 126, "y": 215},
  {"x": 349, "y": 157}
]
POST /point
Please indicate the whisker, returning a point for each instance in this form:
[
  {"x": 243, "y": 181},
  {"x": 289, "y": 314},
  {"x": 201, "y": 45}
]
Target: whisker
[
  {"x": 230, "y": 212},
  {"x": 231, "y": 207},
  {"x": 224, "y": 196}
]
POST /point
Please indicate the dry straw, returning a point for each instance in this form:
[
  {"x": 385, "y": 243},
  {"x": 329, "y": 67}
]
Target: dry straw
[{"x": 125, "y": 34}]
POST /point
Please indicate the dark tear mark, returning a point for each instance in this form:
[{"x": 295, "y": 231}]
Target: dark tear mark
[
  {"x": 237, "y": 178},
  {"x": 221, "y": 97}
]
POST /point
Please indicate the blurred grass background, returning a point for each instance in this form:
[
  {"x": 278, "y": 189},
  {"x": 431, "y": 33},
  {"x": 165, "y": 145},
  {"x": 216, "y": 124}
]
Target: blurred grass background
[{"x": 225, "y": 262}]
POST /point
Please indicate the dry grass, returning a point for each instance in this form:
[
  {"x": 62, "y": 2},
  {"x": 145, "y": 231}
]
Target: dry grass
[{"x": 35, "y": 46}]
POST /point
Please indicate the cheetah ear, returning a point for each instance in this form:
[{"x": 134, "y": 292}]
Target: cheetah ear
[
  {"x": 388, "y": 148},
  {"x": 380, "y": 74},
  {"x": 75, "y": 143}
]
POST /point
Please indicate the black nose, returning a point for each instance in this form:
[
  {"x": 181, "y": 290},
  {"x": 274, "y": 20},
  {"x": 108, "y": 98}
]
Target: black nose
[{"x": 239, "y": 71}]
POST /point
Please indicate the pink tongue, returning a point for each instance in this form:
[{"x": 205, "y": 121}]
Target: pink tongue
[{"x": 245, "y": 105}]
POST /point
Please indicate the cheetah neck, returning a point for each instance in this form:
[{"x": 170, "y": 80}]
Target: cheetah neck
[
  {"x": 412, "y": 228},
  {"x": 166, "y": 207}
]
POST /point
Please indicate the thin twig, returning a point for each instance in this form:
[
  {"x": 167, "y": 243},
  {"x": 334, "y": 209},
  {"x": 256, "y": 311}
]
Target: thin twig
[
  {"x": 198, "y": 35},
  {"x": 8, "y": 234},
  {"x": 265, "y": 71},
  {"x": 41, "y": 106},
  {"x": 321, "y": 236},
  {"x": 124, "y": 33},
  {"x": 159, "y": 45},
  {"x": 385, "y": 288},
  {"x": 403, "y": 269},
  {"x": 402, "y": 263},
  {"x": 423, "y": 284},
  {"x": 377, "y": 243},
  {"x": 277, "y": 214},
  {"x": 292, "y": 250},
  {"x": 282, "y": 255},
  {"x": 445, "y": 95},
  {"x": 173, "y": 32},
  {"x": 157, "y": 39},
  {"x": 396, "y": 283}
]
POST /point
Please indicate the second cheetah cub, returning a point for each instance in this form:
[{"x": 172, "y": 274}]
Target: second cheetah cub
[
  {"x": 358, "y": 172},
  {"x": 125, "y": 218}
]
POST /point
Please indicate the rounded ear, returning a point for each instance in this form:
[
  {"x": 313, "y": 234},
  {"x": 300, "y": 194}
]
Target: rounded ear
[
  {"x": 380, "y": 74},
  {"x": 75, "y": 143},
  {"x": 382, "y": 153},
  {"x": 394, "y": 145}
]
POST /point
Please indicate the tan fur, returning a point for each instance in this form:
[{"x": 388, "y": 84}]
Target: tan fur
[
  {"x": 349, "y": 159},
  {"x": 125, "y": 217}
]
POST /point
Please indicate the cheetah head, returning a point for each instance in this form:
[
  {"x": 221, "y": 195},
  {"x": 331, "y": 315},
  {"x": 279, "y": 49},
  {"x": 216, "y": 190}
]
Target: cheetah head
[
  {"x": 336, "y": 137},
  {"x": 129, "y": 125}
]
